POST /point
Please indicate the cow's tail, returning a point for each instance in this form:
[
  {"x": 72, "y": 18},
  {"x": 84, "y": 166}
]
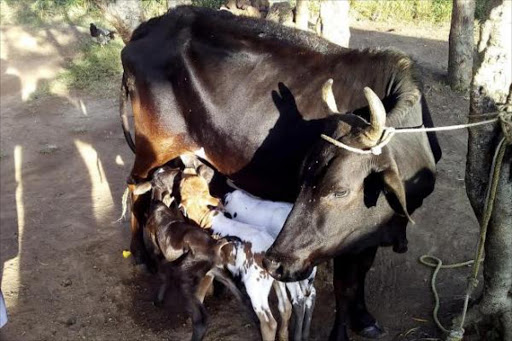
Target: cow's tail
[
  {"x": 125, "y": 202},
  {"x": 124, "y": 116}
]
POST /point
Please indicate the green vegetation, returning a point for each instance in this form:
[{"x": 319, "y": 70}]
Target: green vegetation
[
  {"x": 418, "y": 11},
  {"x": 98, "y": 69},
  {"x": 433, "y": 11},
  {"x": 47, "y": 12}
]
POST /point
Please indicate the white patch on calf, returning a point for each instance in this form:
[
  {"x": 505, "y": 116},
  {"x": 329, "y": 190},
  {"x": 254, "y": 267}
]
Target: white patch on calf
[
  {"x": 260, "y": 240},
  {"x": 200, "y": 153},
  {"x": 263, "y": 214}
]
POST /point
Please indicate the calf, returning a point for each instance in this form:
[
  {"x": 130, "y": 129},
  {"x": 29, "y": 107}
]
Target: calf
[
  {"x": 256, "y": 240},
  {"x": 270, "y": 216},
  {"x": 188, "y": 255}
]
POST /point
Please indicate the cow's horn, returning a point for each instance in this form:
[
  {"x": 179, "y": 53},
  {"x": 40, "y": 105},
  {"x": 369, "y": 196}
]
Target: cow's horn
[
  {"x": 328, "y": 96},
  {"x": 377, "y": 114}
]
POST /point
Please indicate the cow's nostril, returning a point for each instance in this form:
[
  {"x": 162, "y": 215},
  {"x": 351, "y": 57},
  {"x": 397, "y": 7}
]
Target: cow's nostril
[{"x": 273, "y": 267}]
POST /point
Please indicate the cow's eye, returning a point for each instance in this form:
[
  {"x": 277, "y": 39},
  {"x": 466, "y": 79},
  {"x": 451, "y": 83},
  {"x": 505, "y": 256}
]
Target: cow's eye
[{"x": 341, "y": 193}]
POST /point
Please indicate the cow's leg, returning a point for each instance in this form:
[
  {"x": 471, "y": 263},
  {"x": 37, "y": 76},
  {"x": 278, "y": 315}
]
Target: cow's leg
[
  {"x": 349, "y": 275},
  {"x": 285, "y": 309},
  {"x": 361, "y": 321},
  {"x": 140, "y": 208}
]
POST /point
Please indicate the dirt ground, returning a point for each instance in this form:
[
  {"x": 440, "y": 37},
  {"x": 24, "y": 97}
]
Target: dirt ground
[{"x": 63, "y": 167}]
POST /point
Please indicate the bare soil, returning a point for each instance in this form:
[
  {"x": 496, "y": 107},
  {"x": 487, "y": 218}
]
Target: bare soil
[{"x": 63, "y": 167}]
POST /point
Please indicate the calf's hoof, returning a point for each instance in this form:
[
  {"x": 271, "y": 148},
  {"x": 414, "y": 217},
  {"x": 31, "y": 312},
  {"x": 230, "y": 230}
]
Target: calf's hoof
[{"x": 375, "y": 331}]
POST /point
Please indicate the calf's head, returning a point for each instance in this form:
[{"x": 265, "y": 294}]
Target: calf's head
[
  {"x": 196, "y": 201},
  {"x": 339, "y": 205},
  {"x": 161, "y": 184}
]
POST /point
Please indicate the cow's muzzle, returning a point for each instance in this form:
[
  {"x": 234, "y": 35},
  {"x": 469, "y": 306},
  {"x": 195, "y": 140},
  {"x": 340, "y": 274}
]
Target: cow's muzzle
[{"x": 284, "y": 269}]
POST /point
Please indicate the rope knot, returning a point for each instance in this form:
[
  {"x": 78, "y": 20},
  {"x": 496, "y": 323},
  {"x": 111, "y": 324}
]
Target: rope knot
[
  {"x": 377, "y": 150},
  {"x": 472, "y": 285},
  {"x": 455, "y": 335}
]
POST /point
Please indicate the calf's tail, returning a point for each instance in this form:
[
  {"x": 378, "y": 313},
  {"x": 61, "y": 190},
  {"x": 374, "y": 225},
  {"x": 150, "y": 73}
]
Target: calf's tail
[{"x": 124, "y": 116}]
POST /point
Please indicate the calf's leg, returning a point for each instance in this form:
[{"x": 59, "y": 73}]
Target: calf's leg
[
  {"x": 285, "y": 309},
  {"x": 299, "y": 309},
  {"x": 258, "y": 291},
  {"x": 308, "y": 313},
  {"x": 199, "y": 318},
  {"x": 204, "y": 285}
]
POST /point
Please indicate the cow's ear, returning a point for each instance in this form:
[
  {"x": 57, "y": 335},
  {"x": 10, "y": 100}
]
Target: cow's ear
[
  {"x": 142, "y": 188},
  {"x": 394, "y": 185},
  {"x": 206, "y": 172}
]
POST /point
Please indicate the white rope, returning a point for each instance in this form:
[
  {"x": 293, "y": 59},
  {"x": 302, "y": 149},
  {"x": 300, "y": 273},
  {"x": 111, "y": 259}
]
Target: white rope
[
  {"x": 454, "y": 127},
  {"x": 389, "y": 132}
]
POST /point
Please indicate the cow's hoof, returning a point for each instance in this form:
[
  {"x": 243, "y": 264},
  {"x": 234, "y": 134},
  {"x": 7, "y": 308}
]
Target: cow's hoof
[
  {"x": 400, "y": 248},
  {"x": 372, "y": 332}
]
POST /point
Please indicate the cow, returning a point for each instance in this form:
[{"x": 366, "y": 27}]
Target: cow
[{"x": 256, "y": 97}]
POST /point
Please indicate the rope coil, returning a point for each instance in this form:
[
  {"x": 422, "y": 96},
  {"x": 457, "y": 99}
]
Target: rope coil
[{"x": 457, "y": 333}]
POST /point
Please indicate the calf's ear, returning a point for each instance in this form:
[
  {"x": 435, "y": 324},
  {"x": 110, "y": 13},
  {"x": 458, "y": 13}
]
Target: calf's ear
[
  {"x": 167, "y": 199},
  {"x": 220, "y": 244},
  {"x": 206, "y": 172},
  {"x": 142, "y": 188},
  {"x": 190, "y": 160},
  {"x": 394, "y": 185}
]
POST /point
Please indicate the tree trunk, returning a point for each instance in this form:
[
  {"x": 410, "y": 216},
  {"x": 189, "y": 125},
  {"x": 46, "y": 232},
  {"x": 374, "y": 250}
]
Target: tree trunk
[
  {"x": 124, "y": 15},
  {"x": 460, "y": 59},
  {"x": 176, "y": 3},
  {"x": 302, "y": 14},
  {"x": 334, "y": 21},
  {"x": 492, "y": 86}
]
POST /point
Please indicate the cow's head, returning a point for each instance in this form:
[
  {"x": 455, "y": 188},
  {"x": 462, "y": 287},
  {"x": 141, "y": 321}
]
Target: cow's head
[{"x": 339, "y": 203}]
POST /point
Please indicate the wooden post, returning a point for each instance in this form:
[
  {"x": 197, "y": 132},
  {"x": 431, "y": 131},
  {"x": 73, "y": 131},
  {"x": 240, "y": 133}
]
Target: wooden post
[
  {"x": 492, "y": 87},
  {"x": 176, "y": 3},
  {"x": 334, "y": 20},
  {"x": 302, "y": 14},
  {"x": 461, "y": 44}
]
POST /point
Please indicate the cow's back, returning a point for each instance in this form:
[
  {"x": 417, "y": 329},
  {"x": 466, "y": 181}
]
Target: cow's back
[{"x": 248, "y": 91}]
